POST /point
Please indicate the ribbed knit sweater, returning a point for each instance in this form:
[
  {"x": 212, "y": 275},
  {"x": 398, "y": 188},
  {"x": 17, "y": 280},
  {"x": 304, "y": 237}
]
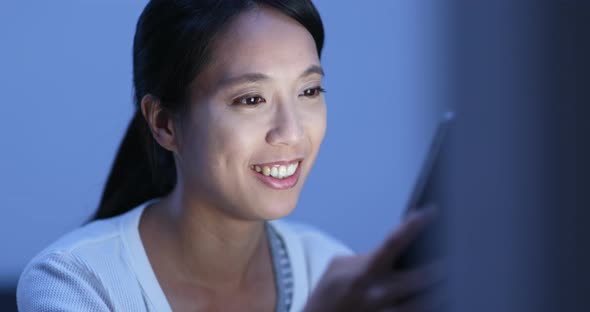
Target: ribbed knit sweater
[{"x": 103, "y": 266}]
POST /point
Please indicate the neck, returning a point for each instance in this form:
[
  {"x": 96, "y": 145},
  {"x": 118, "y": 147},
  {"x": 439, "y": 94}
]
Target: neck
[{"x": 206, "y": 244}]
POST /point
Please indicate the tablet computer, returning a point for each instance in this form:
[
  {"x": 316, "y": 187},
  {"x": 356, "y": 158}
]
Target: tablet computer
[{"x": 428, "y": 190}]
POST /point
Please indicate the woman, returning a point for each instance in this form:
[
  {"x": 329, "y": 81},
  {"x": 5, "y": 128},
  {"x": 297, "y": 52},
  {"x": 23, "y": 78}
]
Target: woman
[{"x": 229, "y": 119}]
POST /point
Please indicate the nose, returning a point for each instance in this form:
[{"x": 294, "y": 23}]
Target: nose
[{"x": 286, "y": 126}]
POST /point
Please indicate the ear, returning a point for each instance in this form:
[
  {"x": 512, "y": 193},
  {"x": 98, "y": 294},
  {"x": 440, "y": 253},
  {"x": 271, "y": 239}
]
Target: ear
[{"x": 160, "y": 122}]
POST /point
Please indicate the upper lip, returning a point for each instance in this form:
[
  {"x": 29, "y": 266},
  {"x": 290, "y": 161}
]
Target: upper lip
[{"x": 279, "y": 162}]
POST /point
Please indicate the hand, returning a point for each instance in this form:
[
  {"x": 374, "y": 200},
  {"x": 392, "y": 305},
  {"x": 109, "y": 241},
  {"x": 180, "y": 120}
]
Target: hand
[{"x": 370, "y": 283}]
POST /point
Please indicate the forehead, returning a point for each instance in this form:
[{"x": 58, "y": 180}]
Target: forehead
[{"x": 262, "y": 40}]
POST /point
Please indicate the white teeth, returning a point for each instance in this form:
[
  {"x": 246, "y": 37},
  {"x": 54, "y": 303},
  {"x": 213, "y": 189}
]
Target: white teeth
[
  {"x": 282, "y": 172},
  {"x": 292, "y": 168},
  {"x": 279, "y": 172}
]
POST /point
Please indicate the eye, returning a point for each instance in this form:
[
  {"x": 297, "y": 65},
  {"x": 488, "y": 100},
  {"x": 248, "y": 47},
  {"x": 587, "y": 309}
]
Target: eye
[
  {"x": 313, "y": 92},
  {"x": 250, "y": 100}
]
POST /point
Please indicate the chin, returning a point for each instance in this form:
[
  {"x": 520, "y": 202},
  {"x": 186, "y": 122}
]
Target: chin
[{"x": 277, "y": 211}]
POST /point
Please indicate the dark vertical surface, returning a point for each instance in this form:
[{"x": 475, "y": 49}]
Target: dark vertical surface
[
  {"x": 517, "y": 192},
  {"x": 7, "y": 300}
]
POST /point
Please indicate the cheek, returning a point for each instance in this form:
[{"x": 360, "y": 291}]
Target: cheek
[
  {"x": 224, "y": 143},
  {"x": 231, "y": 145},
  {"x": 315, "y": 120}
]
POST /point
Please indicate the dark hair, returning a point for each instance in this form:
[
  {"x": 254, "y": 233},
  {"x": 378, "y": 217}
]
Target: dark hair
[{"x": 171, "y": 47}]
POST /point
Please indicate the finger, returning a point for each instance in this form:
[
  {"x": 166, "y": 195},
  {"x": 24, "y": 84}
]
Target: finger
[
  {"x": 413, "y": 209},
  {"x": 399, "y": 240},
  {"x": 400, "y": 286}
]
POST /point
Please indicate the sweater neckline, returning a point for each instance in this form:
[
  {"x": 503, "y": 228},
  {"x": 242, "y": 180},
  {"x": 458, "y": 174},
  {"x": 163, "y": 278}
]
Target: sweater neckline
[{"x": 140, "y": 264}]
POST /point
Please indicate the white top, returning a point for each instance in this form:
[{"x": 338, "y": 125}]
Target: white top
[{"x": 103, "y": 266}]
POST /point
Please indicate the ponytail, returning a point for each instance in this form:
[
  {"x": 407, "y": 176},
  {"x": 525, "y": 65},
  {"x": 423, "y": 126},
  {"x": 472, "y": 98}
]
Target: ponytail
[{"x": 142, "y": 170}]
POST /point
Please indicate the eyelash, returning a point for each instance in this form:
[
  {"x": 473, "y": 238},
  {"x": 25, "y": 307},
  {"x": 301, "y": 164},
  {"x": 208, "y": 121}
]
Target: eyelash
[
  {"x": 246, "y": 100},
  {"x": 318, "y": 90}
]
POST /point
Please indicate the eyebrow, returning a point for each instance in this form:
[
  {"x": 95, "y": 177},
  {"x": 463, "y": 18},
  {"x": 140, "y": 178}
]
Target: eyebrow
[{"x": 258, "y": 77}]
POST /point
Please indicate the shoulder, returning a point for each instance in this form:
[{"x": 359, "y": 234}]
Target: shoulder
[
  {"x": 85, "y": 243},
  {"x": 75, "y": 272},
  {"x": 58, "y": 280}
]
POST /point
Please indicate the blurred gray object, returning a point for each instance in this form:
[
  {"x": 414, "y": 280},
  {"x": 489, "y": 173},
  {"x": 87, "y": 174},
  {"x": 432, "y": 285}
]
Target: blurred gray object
[{"x": 516, "y": 232}]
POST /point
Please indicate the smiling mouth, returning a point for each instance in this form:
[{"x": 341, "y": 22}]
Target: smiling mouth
[{"x": 278, "y": 170}]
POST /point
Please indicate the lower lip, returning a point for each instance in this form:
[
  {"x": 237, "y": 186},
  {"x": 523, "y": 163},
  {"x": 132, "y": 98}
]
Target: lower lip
[{"x": 279, "y": 184}]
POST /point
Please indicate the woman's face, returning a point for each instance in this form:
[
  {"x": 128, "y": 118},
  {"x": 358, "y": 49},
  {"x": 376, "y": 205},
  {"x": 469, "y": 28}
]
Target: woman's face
[{"x": 256, "y": 119}]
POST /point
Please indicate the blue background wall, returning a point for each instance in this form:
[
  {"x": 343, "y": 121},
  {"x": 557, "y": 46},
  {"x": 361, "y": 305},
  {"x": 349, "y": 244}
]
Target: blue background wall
[{"x": 66, "y": 99}]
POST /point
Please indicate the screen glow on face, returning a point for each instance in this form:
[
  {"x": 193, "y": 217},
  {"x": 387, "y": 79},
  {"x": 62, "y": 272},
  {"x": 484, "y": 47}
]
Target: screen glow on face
[{"x": 257, "y": 118}]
